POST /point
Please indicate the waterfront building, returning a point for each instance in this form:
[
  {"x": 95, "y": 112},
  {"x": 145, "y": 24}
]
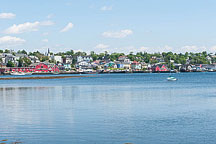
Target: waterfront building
[
  {"x": 67, "y": 66},
  {"x": 186, "y": 68},
  {"x": 135, "y": 65},
  {"x": 159, "y": 68},
  {"x": 124, "y": 65},
  {"x": 144, "y": 65},
  {"x": 34, "y": 68},
  {"x": 207, "y": 67}
]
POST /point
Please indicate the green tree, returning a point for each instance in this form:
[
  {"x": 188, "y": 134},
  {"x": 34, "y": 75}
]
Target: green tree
[
  {"x": 44, "y": 58},
  {"x": 20, "y": 62},
  {"x": 10, "y": 64},
  {"x": 7, "y": 51},
  {"x": 22, "y": 52},
  {"x": 93, "y": 55},
  {"x": 27, "y": 61}
]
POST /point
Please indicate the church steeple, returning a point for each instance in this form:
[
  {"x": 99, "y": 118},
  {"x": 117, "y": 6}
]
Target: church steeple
[{"x": 48, "y": 52}]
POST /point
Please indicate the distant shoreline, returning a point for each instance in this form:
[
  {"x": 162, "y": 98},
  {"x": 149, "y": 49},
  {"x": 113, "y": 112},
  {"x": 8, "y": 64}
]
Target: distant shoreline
[
  {"x": 44, "y": 77},
  {"x": 77, "y": 73}
]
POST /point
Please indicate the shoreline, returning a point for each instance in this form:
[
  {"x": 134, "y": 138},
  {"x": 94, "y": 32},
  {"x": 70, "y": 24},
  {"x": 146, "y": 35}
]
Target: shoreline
[
  {"x": 78, "y": 73},
  {"x": 44, "y": 77}
]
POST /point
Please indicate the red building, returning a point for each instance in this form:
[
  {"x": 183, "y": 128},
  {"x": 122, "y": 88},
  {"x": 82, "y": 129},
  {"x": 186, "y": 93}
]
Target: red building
[
  {"x": 33, "y": 68},
  {"x": 160, "y": 68}
]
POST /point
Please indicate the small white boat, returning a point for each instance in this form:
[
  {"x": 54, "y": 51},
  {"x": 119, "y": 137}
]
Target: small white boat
[
  {"x": 171, "y": 78},
  {"x": 20, "y": 73},
  {"x": 17, "y": 74},
  {"x": 55, "y": 73}
]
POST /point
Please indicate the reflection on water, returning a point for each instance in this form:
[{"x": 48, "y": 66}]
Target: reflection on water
[
  {"x": 6, "y": 141},
  {"x": 108, "y": 109}
]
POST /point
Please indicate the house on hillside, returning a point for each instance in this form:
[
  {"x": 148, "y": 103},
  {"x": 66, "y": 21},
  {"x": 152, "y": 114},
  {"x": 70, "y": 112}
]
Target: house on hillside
[
  {"x": 124, "y": 59},
  {"x": 124, "y": 65},
  {"x": 145, "y": 65},
  {"x": 57, "y": 59},
  {"x": 110, "y": 65},
  {"x": 67, "y": 59},
  {"x": 136, "y": 65},
  {"x": 84, "y": 58},
  {"x": 123, "y": 62},
  {"x": 34, "y": 59},
  {"x": 9, "y": 57}
]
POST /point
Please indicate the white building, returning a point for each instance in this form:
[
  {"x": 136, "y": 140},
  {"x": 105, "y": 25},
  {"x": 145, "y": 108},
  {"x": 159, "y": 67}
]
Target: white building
[
  {"x": 34, "y": 59},
  {"x": 84, "y": 58},
  {"x": 57, "y": 59},
  {"x": 68, "y": 59}
]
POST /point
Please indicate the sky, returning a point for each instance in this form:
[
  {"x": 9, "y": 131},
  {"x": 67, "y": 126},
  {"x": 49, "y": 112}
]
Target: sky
[{"x": 108, "y": 25}]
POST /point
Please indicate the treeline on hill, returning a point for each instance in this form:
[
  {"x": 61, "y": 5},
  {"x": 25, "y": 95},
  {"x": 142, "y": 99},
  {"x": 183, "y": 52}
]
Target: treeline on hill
[
  {"x": 195, "y": 58},
  {"x": 180, "y": 58}
]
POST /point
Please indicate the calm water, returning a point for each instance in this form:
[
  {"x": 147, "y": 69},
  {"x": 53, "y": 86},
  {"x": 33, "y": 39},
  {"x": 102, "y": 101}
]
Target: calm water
[{"x": 110, "y": 109}]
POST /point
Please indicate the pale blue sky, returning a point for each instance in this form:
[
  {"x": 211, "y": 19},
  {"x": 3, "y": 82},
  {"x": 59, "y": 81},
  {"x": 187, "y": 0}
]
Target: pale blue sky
[{"x": 111, "y": 25}]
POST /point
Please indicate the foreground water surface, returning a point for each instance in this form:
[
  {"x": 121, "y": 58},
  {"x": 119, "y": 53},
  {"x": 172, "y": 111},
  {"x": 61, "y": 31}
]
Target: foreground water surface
[{"x": 110, "y": 109}]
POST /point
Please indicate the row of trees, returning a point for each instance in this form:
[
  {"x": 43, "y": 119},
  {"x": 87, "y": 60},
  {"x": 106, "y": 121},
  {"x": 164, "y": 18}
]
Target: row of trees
[
  {"x": 192, "y": 58},
  {"x": 181, "y": 58}
]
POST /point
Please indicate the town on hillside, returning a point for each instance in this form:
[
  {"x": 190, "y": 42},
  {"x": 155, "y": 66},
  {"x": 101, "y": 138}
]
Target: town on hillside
[{"x": 80, "y": 62}]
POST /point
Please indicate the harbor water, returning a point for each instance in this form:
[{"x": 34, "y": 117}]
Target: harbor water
[{"x": 110, "y": 109}]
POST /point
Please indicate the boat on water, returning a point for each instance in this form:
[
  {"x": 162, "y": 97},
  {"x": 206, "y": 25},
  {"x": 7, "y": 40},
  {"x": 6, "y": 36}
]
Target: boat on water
[
  {"x": 20, "y": 73},
  {"x": 17, "y": 74},
  {"x": 171, "y": 78},
  {"x": 55, "y": 73}
]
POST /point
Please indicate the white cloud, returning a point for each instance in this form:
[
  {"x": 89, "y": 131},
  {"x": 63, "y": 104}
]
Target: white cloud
[
  {"x": 9, "y": 40},
  {"x": 67, "y": 27},
  {"x": 182, "y": 49},
  {"x": 135, "y": 49},
  {"x": 46, "y": 23},
  {"x": 106, "y": 8},
  {"x": 189, "y": 48},
  {"x": 119, "y": 34},
  {"x": 21, "y": 28},
  {"x": 27, "y": 27},
  {"x": 45, "y": 40},
  {"x": 193, "y": 48},
  {"x": 7, "y": 15},
  {"x": 101, "y": 46},
  {"x": 124, "y": 49}
]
